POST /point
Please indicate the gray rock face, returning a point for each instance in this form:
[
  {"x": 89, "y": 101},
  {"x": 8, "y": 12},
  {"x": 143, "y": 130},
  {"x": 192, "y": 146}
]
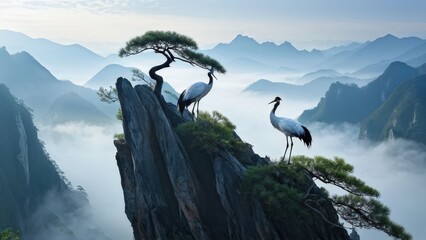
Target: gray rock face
[
  {"x": 175, "y": 191},
  {"x": 35, "y": 197}
]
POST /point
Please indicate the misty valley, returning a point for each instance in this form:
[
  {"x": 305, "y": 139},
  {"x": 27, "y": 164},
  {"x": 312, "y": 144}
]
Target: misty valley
[{"x": 163, "y": 140}]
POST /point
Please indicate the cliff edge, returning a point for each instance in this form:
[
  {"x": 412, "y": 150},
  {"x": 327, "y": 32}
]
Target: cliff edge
[{"x": 173, "y": 190}]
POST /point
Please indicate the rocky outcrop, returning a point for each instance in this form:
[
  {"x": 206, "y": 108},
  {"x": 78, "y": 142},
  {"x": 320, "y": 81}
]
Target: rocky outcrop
[{"x": 175, "y": 191}]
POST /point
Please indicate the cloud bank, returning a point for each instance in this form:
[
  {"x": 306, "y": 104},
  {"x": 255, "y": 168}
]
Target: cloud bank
[{"x": 86, "y": 155}]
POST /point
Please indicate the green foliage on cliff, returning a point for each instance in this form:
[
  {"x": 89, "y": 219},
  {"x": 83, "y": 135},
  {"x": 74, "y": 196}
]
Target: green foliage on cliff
[
  {"x": 278, "y": 188},
  {"x": 119, "y": 115},
  {"x": 282, "y": 188},
  {"x": 9, "y": 234},
  {"x": 212, "y": 133},
  {"x": 360, "y": 207}
]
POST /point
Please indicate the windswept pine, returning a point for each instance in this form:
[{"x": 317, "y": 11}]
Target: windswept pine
[{"x": 173, "y": 46}]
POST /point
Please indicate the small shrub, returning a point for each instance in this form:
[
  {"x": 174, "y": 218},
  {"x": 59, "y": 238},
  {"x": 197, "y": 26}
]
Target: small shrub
[
  {"x": 119, "y": 136},
  {"x": 212, "y": 132},
  {"x": 9, "y": 234},
  {"x": 119, "y": 115},
  {"x": 278, "y": 187}
]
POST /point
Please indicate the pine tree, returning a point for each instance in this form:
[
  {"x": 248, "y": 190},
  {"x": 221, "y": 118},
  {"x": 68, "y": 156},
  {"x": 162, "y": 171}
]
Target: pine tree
[{"x": 173, "y": 46}]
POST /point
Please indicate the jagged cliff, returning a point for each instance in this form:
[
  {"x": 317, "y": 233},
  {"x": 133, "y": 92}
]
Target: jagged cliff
[
  {"x": 34, "y": 197},
  {"x": 173, "y": 190}
]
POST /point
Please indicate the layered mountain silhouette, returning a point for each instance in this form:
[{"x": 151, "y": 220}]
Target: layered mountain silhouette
[
  {"x": 108, "y": 75},
  {"x": 37, "y": 87},
  {"x": 320, "y": 73},
  {"x": 266, "y": 53},
  {"x": 377, "y": 55},
  {"x": 343, "y": 48},
  {"x": 386, "y": 47},
  {"x": 244, "y": 53},
  {"x": 392, "y": 106},
  {"x": 72, "y": 107},
  {"x": 413, "y": 57},
  {"x": 350, "y": 103},
  {"x": 72, "y": 62},
  {"x": 312, "y": 90}
]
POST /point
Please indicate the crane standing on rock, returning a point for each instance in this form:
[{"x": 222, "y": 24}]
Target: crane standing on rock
[
  {"x": 195, "y": 93},
  {"x": 290, "y": 128}
]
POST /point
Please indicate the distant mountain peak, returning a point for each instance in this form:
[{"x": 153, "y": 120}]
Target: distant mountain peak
[
  {"x": 71, "y": 94},
  {"x": 384, "y": 39},
  {"x": 389, "y": 36},
  {"x": 396, "y": 66},
  {"x": 5, "y": 31},
  {"x": 4, "y": 52},
  {"x": 242, "y": 39},
  {"x": 268, "y": 43},
  {"x": 287, "y": 45}
]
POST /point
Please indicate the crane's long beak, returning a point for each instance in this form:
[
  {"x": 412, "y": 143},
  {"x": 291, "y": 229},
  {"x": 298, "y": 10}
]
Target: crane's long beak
[
  {"x": 272, "y": 101},
  {"x": 214, "y": 76}
]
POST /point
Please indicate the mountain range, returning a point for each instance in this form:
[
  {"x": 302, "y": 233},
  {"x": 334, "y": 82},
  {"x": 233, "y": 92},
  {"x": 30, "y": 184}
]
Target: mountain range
[
  {"x": 242, "y": 54},
  {"x": 269, "y": 54},
  {"x": 350, "y": 103},
  {"x": 312, "y": 90},
  {"x": 320, "y": 73},
  {"x": 68, "y": 62},
  {"x": 402, "y": 115},
  {"x": 108, "y": 75},
  {"x": 37, "y": 87},
  {"x": 70, "y": 107},
  {"x": 391, "y": 106},
  {"x": 387, "y": 47},
  {"x": 246, "y": 54}
]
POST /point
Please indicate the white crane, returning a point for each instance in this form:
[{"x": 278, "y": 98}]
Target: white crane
[
  {"x": 195, "y": 93},
  {"x": 290, "y": 128}
]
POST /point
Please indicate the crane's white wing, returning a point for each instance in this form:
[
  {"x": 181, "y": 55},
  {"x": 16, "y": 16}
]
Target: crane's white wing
[
  {"x": 196, "y": 90},
  {"x": 289, "y": 127}
]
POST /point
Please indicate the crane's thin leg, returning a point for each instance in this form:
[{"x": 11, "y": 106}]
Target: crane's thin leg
[
  {"x": 286, "y": 138},
  {"x": 291, "y": 149},
  {"x": 198, "y": 107},
  {"x": 193, "y": 107}
]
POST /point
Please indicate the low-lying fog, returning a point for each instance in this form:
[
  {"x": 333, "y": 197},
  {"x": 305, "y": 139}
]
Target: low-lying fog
[
  {"x": 396, "y": 168},
  {"x": 86, "y": 155}
]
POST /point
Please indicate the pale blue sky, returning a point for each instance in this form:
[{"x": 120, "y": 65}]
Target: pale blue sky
[{"x": 306, "y": 23}]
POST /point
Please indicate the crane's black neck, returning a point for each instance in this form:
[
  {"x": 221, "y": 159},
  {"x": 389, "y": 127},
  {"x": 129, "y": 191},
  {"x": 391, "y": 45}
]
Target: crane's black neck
[
  {"x": 275, "y": 106},
  {"x": 210, "y": 78}
]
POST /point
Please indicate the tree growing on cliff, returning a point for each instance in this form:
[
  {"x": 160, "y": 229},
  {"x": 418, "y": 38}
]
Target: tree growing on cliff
[
  {"x": 173, "y": 46},
  {"x": 212, "y": 133},
  {"x": 9, "y": 234},
  {"x": 280, "y": 187}
]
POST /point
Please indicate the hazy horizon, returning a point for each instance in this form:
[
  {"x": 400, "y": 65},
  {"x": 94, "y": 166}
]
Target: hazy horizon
[{"x": 102, "y": 24}]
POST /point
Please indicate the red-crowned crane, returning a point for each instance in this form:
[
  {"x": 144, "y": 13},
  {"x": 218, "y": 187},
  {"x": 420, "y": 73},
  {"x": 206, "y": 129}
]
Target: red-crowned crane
[
  {"x": 195, "y": 93},
  {"x": 290, "y": 128}
]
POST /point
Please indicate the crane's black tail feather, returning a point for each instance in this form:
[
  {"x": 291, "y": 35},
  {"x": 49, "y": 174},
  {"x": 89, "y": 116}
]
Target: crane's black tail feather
[
  {"x": 181, "y": 104},
  {"x": 307, "y": 138}
]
